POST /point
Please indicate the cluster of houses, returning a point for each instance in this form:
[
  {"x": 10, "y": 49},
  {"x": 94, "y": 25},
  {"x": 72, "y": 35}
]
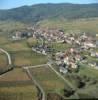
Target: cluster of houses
[
  {"x": 83, "y": 41},
  {"x": 48, "y": 36},
  {"x": 21, "y": 35},
  {"x": 52, "y": 35},
  {"x": 42, "y": 49},
  {"x": 68, "y": 59}
]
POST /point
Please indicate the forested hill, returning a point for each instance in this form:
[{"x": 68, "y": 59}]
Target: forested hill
[{"x": 39, "y": 12}]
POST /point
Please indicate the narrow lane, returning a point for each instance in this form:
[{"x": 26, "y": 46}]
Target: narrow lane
[{"x": 36, "y": 84}]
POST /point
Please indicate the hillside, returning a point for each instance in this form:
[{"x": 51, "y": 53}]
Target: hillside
[
  {"x": 89, "y": 25},
  {"x": 39, "y": 12}
]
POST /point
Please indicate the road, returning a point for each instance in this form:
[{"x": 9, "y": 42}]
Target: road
[
  {"x": 48, "y": 64},
  {"x": 35, "y": 66},
  {"x": 65, "y": 80},
  {"x": 36, "y": 84},
  {"x": 8, "y": 55}
]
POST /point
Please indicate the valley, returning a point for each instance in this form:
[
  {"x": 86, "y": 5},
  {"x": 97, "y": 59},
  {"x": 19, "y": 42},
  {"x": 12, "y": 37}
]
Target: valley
[{"x": 49, "y": 55}]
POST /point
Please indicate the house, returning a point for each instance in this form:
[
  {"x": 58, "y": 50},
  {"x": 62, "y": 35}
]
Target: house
[
  {"x": 17, "y": 36},
  {"x": 97, "y": 43},
  {"x": 44, "y": 52},
  {"x": 77, "y": 42},
  {"x": 90, "y": 45},
  {"x": 63, "y": 70},
  {"x": 97, "y": 54},
  {"x": 93, "y": 54},
  {"x": 78, "y": 57},
  {"x": 66, "y": 60},
  {"x": 72, "y": 65},
  {"x": 84, "y": 36}
]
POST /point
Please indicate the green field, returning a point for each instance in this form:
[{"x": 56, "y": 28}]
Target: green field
[
  {"x": 3, "y": 60},
  {"x": 48, "y": 79},
  {"x": 16, "y": 85},
  {"x": 15, "y": 45},
  {"x": 88, "y": 71},
  {"x": 89, "y": 92},
  {"x": 3, "y": 40},
  {"x": 84, "y": 25},
  {"x": 16, "y": 74},
  {"x": 9, "y": 27},
  {"x": 24, "y": 58},
  {"x": 61, "y": 46},
  {"x": 88, "y": 76},
  {"x": 28, "y": 92},
  {"x": 21, "y": 54}
]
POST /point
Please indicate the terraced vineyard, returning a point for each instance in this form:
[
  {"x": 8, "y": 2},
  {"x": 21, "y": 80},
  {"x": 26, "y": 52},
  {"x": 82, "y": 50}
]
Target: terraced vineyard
[{"x": 16, "y": 85}]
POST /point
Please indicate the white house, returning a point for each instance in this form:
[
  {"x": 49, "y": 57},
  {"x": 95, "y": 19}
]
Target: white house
[{"x": 63, "y": 70}]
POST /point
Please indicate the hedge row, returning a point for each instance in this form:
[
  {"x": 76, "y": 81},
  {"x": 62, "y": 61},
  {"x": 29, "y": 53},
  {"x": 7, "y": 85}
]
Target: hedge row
[{"x": 6, "y": 69}]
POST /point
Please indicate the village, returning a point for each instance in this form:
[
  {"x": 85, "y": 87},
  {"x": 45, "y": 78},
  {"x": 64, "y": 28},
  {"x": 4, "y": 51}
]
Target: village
[
  {"x": 82, "y": 50},
  {"x": 48, "y": 49}
]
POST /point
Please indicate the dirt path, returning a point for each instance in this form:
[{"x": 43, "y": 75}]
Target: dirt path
[
  {"x": 65, "y": 80},
  {"x": 36, "y": 84}
]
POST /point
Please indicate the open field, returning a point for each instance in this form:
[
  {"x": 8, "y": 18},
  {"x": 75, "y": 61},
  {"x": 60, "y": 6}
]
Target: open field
[
  {"x": 88, "y": 71},
  {"x": 16, "y": 74},
  {"x": 87, "y": 25},
  {"x": 48, "y": 79},
  {"x": 15, "y": 45},
  {"x": 89, "y": 92},
  {"x": 16, "y": 85},
  {"x": 84, "y": 70},
  {"x": 8, "y": 27},
  {"x": 3, "y": 40},
  {"x": 3, "y": 60},
  {"x": 61, "y": 46},
  {"x": 28, "y": 92},
  {"x": 27, "y": 58}
]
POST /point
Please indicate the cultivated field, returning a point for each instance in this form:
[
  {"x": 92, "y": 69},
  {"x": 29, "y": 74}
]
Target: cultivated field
[
  {"x": 3, "y": 60},
  {"x": 27, "y": 58},
  {"x": 48, "y": 79},
  {"x": 16, "y": 85},
  {"x": 28, "y": 92},
  {"x": 16, "y": 74},
  {"x": 15, "y": 45},
  {"x": 61, "y": 46},
  {"x": 86, "y": 25}
]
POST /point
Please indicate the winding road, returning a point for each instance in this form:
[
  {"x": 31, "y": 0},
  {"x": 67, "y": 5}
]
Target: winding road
[
  {"x": 32, "y": 78},
  {"x": 8, "y": 55}
]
